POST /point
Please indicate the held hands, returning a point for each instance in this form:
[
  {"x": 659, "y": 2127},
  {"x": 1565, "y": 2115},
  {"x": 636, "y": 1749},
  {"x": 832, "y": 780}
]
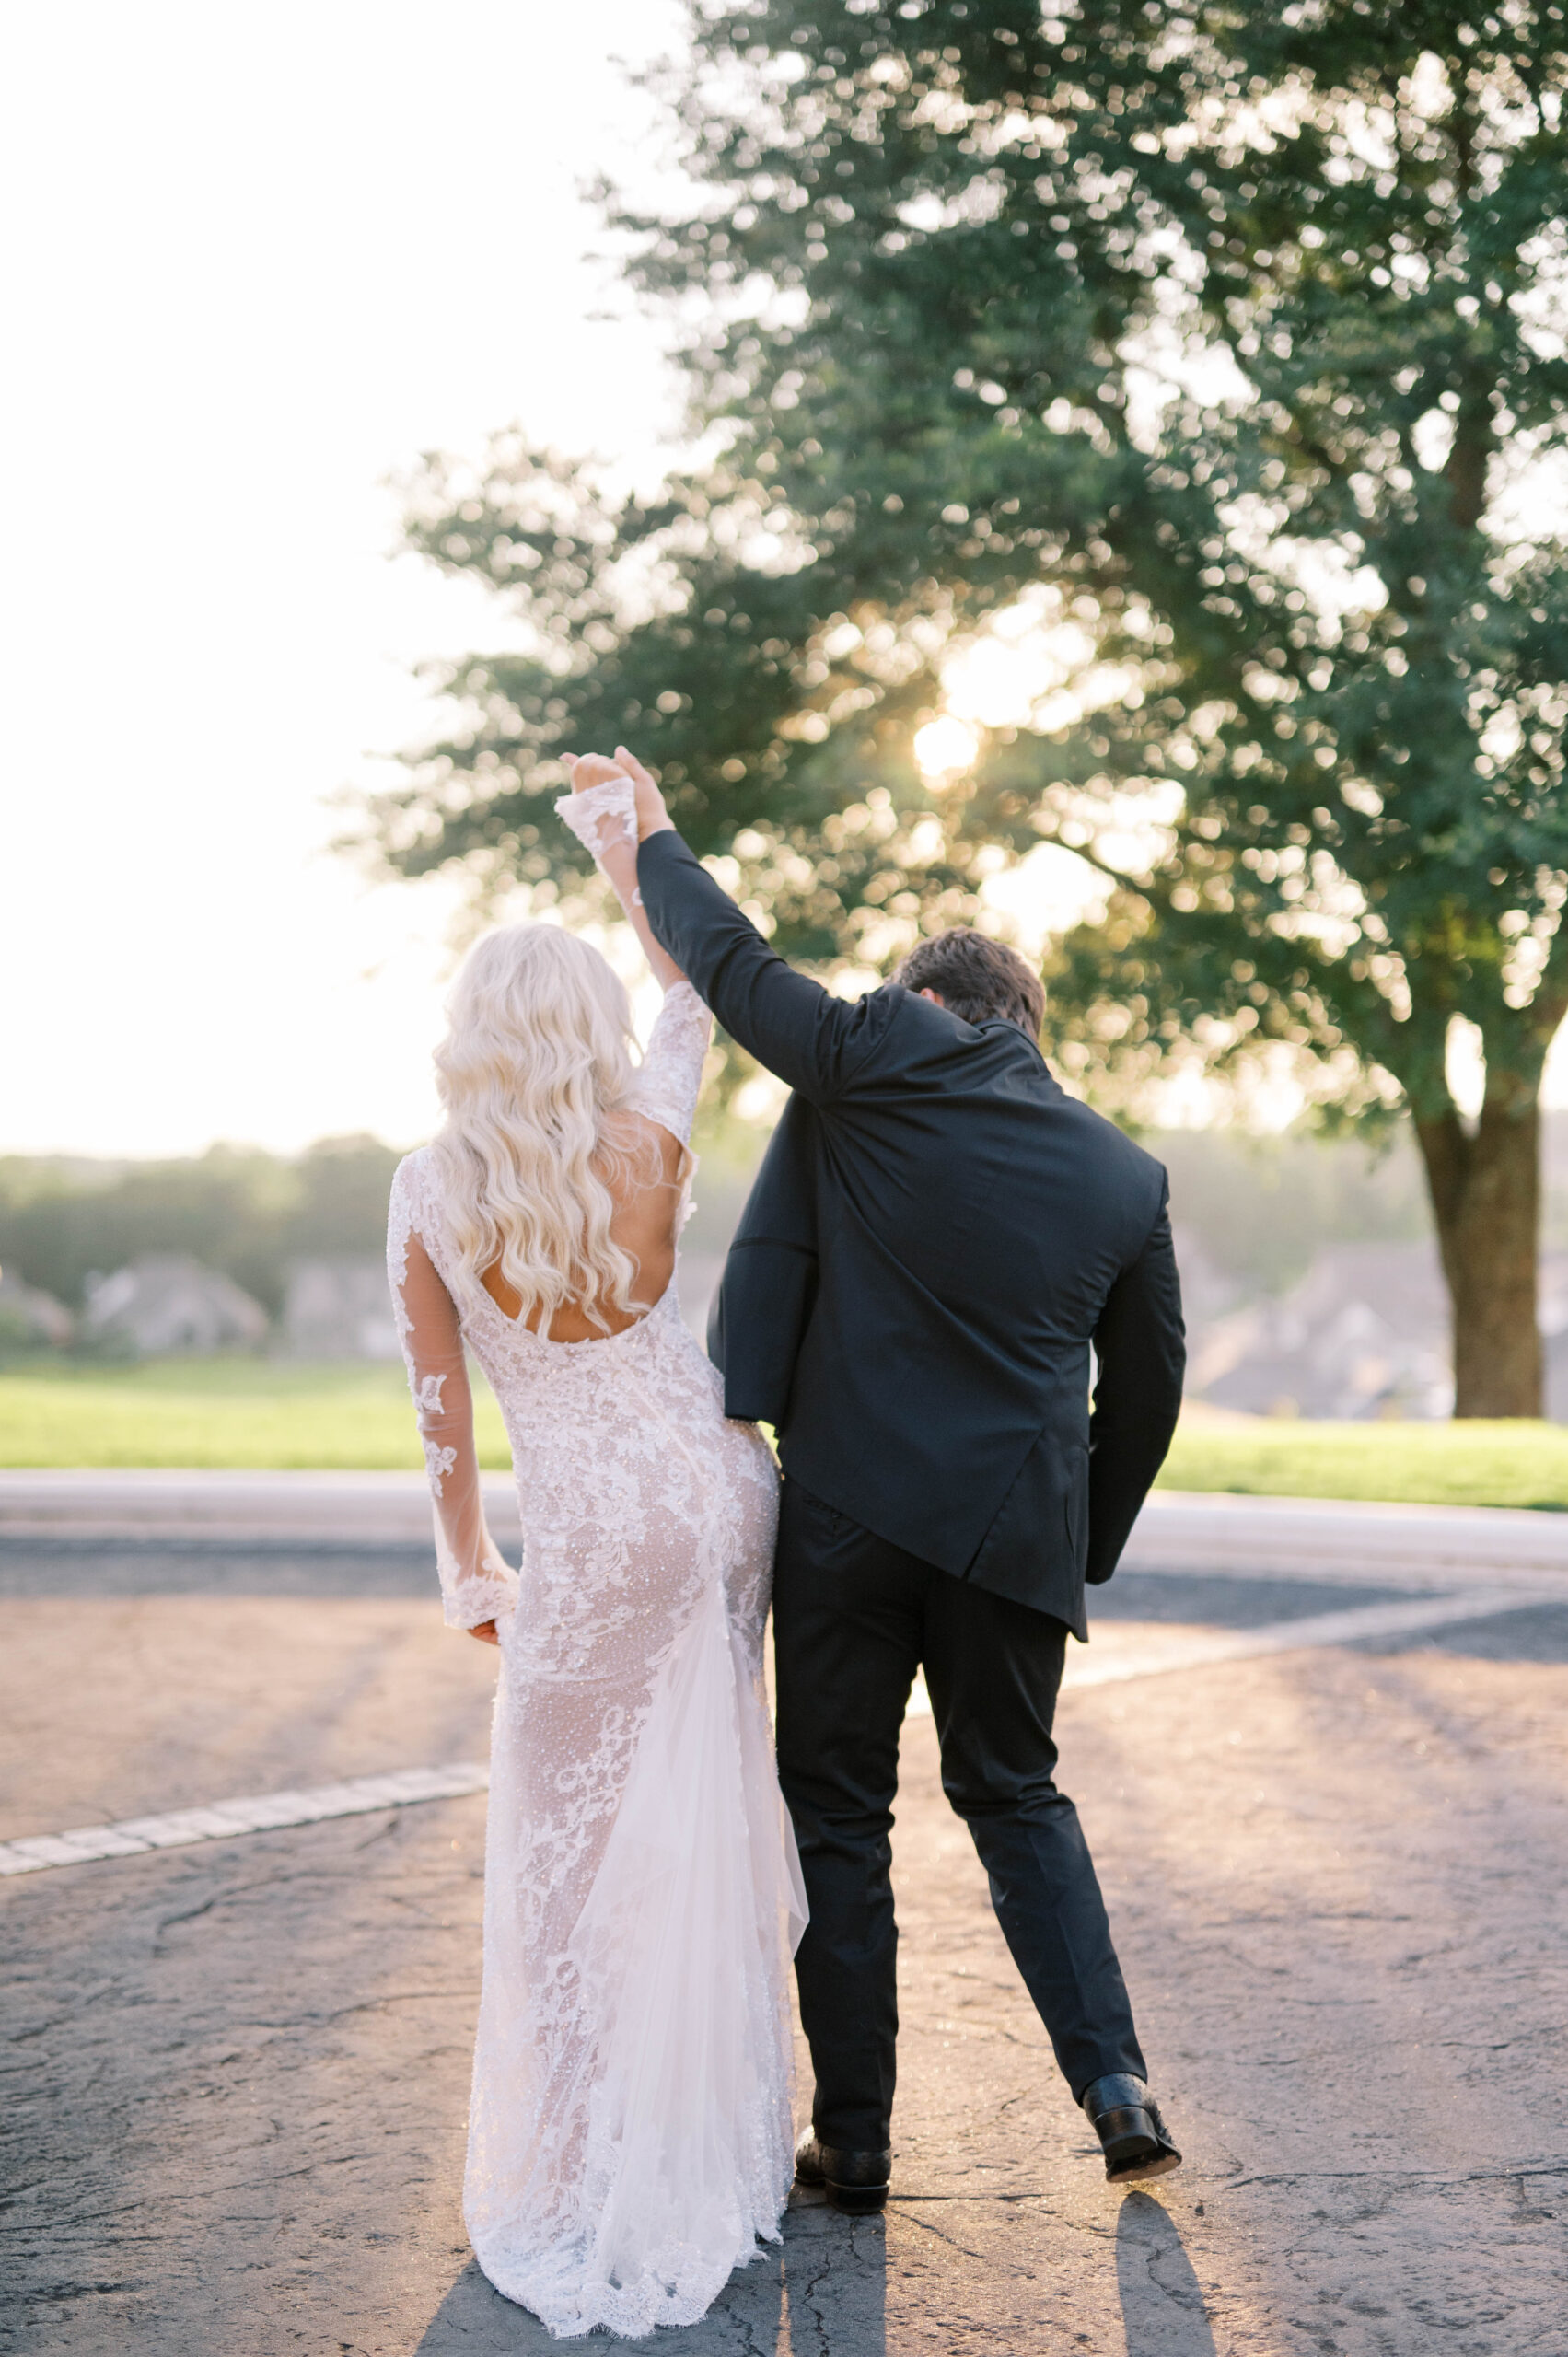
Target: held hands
[
  {"x": 596, "y": 769},
  {"x": 610, "y": 835},
  {"x": 583, "y": 770}
]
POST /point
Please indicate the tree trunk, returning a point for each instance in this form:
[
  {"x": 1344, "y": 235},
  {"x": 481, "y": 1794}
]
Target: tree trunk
[{"x": 1486, "y": 1201}]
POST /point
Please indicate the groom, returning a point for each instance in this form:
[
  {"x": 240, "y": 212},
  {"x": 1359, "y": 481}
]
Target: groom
[{"x": 937, "y": 1236}]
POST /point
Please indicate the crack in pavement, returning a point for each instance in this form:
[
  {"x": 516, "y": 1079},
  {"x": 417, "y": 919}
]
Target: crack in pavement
[{"x": 1395, "y": 2176}]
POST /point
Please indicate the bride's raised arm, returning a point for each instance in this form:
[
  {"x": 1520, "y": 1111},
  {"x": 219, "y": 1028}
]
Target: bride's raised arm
[{"x": 601, "y": 811}]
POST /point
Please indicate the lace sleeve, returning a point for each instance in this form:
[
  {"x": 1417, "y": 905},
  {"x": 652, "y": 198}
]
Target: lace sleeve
[
  {"x": 476, "y": 1581},
  {"x": 671, "y": 1071},
  {"x": 602, "y": 818}
]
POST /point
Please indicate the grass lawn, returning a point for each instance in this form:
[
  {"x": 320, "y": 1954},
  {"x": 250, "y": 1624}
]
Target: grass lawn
[
  {"x": 256, "y": 1413},
  {"x": 249, "y": 1413},
  {"x": 1514, "y": 1464}
]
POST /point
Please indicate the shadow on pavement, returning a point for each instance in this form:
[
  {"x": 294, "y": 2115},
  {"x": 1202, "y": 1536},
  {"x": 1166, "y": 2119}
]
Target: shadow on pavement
[
  {"x": 1530, "y": 1632},
  {"x": 476, "y": 2319},
  {"x": 1162, "y": 2306},
  {"x": 826, "y": 2289}
]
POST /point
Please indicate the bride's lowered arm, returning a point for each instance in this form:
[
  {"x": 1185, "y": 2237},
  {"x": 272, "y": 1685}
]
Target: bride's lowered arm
[{"x": 476, "y": 1581}]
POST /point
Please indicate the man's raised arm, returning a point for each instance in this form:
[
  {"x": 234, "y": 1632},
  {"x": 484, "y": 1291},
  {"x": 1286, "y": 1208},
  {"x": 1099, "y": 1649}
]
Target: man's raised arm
[{"x": 811, "y": 1040}]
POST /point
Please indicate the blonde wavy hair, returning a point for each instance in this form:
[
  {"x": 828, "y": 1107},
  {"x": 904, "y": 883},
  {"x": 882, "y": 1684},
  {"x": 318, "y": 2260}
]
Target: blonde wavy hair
[{"x": 534, "y": 1071}]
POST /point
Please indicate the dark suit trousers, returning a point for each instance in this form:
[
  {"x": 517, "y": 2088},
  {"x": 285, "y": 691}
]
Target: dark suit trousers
[{"x": 853, "y": 1618}]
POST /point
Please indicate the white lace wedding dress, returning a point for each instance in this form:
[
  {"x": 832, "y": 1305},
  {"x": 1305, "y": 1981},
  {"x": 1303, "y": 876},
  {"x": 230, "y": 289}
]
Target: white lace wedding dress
[{"x": 629, "y": 2136}]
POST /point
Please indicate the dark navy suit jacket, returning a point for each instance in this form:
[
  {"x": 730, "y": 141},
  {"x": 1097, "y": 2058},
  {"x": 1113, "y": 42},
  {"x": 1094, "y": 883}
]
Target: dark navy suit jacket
[{"x": 936, "y": 1236}]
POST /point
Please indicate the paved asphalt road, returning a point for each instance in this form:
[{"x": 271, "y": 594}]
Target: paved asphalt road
[{"x": 232, "y": 2115}]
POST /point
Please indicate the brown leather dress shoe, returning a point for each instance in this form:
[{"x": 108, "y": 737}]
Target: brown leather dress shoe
[
  {"x": 853, "y": 2182},
  {"x": 1132, "y": 2135}
]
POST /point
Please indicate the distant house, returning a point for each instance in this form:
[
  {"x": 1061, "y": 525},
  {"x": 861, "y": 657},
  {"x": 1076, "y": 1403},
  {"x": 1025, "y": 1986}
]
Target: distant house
[
  {"x": 165, "y": 1303},
  {"x": 1364, "y": 1334},
  {"x": 339, "y": 1307},
  {"x": 31, "y": 1318}
]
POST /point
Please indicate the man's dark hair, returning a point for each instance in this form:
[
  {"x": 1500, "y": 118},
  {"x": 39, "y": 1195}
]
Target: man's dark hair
[{"x": 978, "y": 979}]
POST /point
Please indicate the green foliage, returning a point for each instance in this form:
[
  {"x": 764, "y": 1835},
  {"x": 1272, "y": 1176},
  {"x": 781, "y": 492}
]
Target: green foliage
[
  {"x": 1236, "y": 335},
  {"x": 239, "y": 1210},
  {"x": 18, "y": 1337}
]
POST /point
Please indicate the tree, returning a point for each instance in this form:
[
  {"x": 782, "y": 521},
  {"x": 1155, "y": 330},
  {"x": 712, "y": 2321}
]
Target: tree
[{"x": 1238, "y": 336}]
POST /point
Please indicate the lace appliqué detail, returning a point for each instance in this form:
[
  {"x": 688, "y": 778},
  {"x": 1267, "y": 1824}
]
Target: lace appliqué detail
[
  {"x": 477, "y": 1584},
  {"x": 439, "y": 1461},
  {"x": 601, "y": 814},
  {"x": 472, "y": 1595},
  {"x": 671, "y": 1074}
]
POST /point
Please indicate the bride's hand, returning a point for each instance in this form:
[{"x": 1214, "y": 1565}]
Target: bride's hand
[
  {"x": 486, "y": 1631},
  {"x": 586, "y": 769},
  {"x": 583, "y": 770}
]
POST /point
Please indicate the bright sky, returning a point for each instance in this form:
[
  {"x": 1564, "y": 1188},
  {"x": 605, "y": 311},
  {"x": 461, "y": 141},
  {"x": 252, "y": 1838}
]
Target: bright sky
[{"x": 257, "y": 259}]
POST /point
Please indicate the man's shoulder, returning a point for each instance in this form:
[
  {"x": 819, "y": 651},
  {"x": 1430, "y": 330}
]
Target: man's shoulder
[
  {"x": 868, "y": 1022},
  {"x": 919, "y": 1026},
  {"x": 1104, "y": 1138}
]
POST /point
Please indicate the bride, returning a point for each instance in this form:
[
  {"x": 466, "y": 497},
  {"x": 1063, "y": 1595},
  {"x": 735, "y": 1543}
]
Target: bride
[{"x": 630, "y": 2132}]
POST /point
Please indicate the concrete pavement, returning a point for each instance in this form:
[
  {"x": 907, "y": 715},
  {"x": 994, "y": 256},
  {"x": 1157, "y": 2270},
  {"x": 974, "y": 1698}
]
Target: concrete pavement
[{"x": 236, "y": 2075}]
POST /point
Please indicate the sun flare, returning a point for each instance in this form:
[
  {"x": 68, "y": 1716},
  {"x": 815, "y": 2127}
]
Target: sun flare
[{"x": 944, "y": 748}]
